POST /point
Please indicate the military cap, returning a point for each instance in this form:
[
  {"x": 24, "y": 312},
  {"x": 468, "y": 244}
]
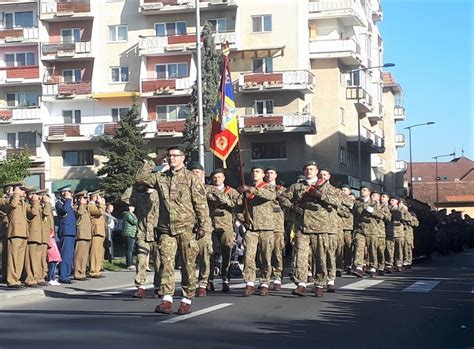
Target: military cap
[
  {"x": 81, "y": 194},
  {"x": 310, "y": 163},
  {"x": 395, "y": 198},
  {"x": 346, "y": 186},
  {"x": 64, "y": 188},
  {"x": 179, "y": 147},
  {"x": 13, "y": 184},
  {"x": 257, "y": 167},
  {"x": 96, "y": 192},
  {"x": 30, "y": 190},
  {"x": 366, "y": 187},
  {"x": 271, "y": 168},
  {"x": 42, "y": 192},
  {"x": 385, "y": 193},
  {"x": 195, "y": 166},
  {"x": 374, "y": 191},
  {"x": 217, "y": 170}
]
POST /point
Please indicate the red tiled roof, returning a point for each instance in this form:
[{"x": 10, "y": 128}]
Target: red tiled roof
[
  {"x": 457, "y": 169},
  {"x": 388, "y": 79}
]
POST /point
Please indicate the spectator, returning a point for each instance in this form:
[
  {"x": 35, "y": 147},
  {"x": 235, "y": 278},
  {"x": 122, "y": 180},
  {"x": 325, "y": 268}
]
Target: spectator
[
  {"x": 111, "y": 224},
  {"x": 129, "y": 233}
]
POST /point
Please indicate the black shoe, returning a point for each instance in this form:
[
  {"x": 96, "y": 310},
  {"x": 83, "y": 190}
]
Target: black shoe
[{"x": 67, "y": 282}]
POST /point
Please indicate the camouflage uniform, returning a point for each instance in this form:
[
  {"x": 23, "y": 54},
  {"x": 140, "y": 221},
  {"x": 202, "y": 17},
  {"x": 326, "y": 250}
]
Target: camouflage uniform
[
  {"x": 395, "y": 236},
  {"x": 334, "y": 233},
  {"x": 146, "y": 203},
  {"x": 311, "y": 228},
  {"x": 409, "y": 223},
  {"x": 183, "y": 203},
  {"x": 278, "y": 236},
  {"x": 222, "y": 206},
  {"x": 260, "y": 233},
  {"x": 347, "y": 224},
  {"x": 382, "y": 237}
]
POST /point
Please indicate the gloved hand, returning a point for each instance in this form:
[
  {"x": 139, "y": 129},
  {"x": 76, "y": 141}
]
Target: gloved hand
[
  {"x": 199, "y": 233},
  {"x": 245, "y": 188},
  {"x": 297, "y": 209},
  {"x": 211, "y": 197},
  {"x": 317, "y": 194},
  {"x": 370, "y": 209}
]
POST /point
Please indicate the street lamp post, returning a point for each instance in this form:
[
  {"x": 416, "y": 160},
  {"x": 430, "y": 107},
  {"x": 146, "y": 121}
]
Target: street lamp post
[
  {"x": 411, "y": 160},
  {"x": 359, "y": 147},
  {"x": 437, "y": 177}
]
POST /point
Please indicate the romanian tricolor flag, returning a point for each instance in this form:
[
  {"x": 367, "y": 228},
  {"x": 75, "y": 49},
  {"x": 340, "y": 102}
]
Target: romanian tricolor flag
[{"x": 225, "y": 128}]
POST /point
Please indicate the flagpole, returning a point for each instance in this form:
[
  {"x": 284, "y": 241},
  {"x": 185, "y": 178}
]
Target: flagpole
[{"x": 199, "y": 84}]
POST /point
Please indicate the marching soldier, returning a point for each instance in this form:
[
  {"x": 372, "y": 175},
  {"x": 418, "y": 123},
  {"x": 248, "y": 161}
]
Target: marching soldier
[
  {"x": 84, "y": 235},
  {"x": 308, "y": 200},
  {"x": 395, "y": 236},
  {"x": 259, "y": 236},
  {"x": 223, "y": 201},
  {"x": 347, "y": 224},
  {"x": 96, "y": 209},
  {"x": 271, "y": 175},
  {"x": 183, "y": 219},
  {"x": 382, "y": 203},
  {"x": 410, "y": 222}
]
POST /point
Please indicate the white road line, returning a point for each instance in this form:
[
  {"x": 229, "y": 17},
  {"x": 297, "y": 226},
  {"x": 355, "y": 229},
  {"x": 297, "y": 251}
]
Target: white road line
[
  {"x": 361, "y": 285},
  {"x": 421, "y": 286},
  {"x": 196, "y": 313},
  {"x": 238, "y": 285},
  {"x": 292, "y": 285}
]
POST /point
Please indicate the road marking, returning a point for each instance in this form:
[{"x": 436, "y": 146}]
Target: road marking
[
  {"x": 196, "y": 313},
  {"x": 361, "y": 285},
  {"x": 238, "y": 285},
  {"x": 421, "y": 286},
  {"x": 292, "y": 285}
]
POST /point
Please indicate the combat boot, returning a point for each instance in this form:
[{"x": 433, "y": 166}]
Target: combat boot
[
  {"x": 184, "y": 308},
  {"x": 263, "y": 291},
  {"x": 299, "y": 291},
  {"x": 210, "y": 286},
  {"x": 331, "y": 289},
  {"x": 156, "y": 294},
  {"x": 381, "y": 272},
  {"x": 400, "y": 269},
  {"x": 166, "y": 307},
  {"x": 201, "y": 292},
  {"x": 140, "y": 293},
  {"x": 276, "y": 287},
  {"x": 249, "y": 290},
  {"x": 358, "y": 272},
  {"x": 225, "y": 287},
  {"x": 389, "y": 270},
  {"x": 319, "y": 292}
]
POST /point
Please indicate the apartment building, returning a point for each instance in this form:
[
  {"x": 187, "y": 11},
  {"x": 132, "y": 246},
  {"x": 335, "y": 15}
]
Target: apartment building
[{"x": 304, "y": 73}]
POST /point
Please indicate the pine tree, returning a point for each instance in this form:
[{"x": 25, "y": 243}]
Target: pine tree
[
  {"x": 210, "y": 64},
  {"x": 125, "y": 152},
  {"x": 15, "y": 168}
]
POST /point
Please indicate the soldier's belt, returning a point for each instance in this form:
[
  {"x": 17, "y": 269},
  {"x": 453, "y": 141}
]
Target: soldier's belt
[{"x": 217, "y": 214}]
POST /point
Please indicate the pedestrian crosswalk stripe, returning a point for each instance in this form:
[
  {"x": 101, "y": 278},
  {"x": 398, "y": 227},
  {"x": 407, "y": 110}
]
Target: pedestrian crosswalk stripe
[
  {"x": 361, "y": 285},
  {"x": 292, "y": 285},
  {"x": 238, "y": 285},
  {"x": 194, "y": 314},
  {"x": 421, "y": 286}
]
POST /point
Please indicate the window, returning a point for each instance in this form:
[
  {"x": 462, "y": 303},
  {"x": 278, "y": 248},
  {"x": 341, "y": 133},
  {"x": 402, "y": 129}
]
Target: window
[
  {"x": 173, "y": 70},
  {"x": 268, "y": 150},
  {"x": 118, "y": 33},
  {"x": 342, "y": 117},
  {"x": 20, "y": 59},
  {"x": 118, "y": 113},
  {"x": 262, "y": 65},
  {"x": 262, "y": 23},
  {"x": 72, "y": 116},
  {"x": 218, "y": 25},
  {"x": 264, "y": 107},
  {"x": 72, "y": 75},
  {"x": 343, "y": 155},
  {"x": 11, "y": 139},
  {"x": 19, "y": 19},
  {"x": 172, "y": 112},
  {"x": 26, "y": 139},
  {"x": 78, "y": 158},
  {"x": 21, "y": 99},
  {"x": 171, "y": 28},
  {"x": 70, "y": 35},
  {"x": 119, "y": 74}
]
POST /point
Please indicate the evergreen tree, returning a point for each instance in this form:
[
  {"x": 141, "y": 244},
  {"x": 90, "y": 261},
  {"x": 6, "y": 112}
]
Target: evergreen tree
[
  {"x": 210, "y": 63},
  {"x": 15, "y": 168},
  {"x": 125, "y": 152}
]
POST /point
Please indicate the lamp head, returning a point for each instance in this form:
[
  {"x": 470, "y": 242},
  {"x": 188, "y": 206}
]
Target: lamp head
[{"x": 389, "y": 65}]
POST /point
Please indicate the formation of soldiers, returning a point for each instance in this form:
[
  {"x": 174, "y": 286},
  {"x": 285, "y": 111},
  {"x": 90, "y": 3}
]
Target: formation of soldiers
[{"x": 28, "y": 236}]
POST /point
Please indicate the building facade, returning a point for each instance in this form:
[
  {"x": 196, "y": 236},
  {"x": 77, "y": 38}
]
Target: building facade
[{"x": 307, "y": 77}]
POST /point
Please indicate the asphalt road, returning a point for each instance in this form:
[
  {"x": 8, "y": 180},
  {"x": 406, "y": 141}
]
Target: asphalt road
[{"x": 431, "y": 306}]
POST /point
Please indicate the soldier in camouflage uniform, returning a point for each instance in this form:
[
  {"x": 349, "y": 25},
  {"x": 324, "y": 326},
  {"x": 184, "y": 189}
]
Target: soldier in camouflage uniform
[
  {"x": 260, "y": 225},
  {"x": 347, "y": 223},
  {"x": 382, "y": 205},
  {"x": 223, "y": 202},
  {"x": 183, "y": 219},
  {"x": 271, "y": 175},
  {"x": 309, "y": 200},
  {"x": 410, "y": 221},
  {"x": 395, "y": 236},
  {"x": 335, "y": 236}
]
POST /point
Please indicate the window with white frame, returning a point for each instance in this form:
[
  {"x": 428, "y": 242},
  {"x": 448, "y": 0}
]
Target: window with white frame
[
  {"x": 20, "y": 59},
  {"x": 18, "y": 19},
  {"x": 118, "y": 113},
  {"x": 26, "y": 139},
  {"x": 78, "y": 157},
  {"x": 118, "y": 33},
  {"x": 21, "y": 99},
  {"x": 11, "y": 140},
  {"x": 72, "y": 116},
  {"x": 72, "y": 75},
  {"x": 262, "y": 23},
  {"x": 171, "y": 28},
  {"x": 219, "y": 25},
  {"x": 171, "y": 70},
  {"x": 269, "y": 150},
  {"x": 264, "y": 106},
  {"x": 119, "y": 74},
  {"x": 71, "y": 35},
  {"x": 262, "y": 65},
  {"x": 172, "y": 112}
]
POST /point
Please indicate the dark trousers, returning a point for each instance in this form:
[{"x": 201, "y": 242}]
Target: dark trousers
[
  {"x": 52, "y": 270},
  {"x": 130, "y": 247},
  {"x": 66, "y": 247}
]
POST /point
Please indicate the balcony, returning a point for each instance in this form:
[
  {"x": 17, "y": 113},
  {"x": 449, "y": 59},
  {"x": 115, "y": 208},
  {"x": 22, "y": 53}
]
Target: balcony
[
  {"x": 153, "y": 7},
  {"x": 288, "y": 80},
  {"x": 30, "y": 149},
  {"x": 66, "y": 51},
  {"x": 377, "y": 11},
  {"x": 400, "y": 140},
  {"x": 19, "y": 75},
  {"x": 377, "y": 115},
  {"x": 17, "y": 36},
  {"x": 153, "y": 45},
  {"x": 167, "y": 87},
  {"x": 67, "y": 90},
  {"x": 369, "y": 141},
  {"x": 347, "y": 51},
  {"x": 376, "y": 161},
  {"x": 173, "y": 128},
  {"x": 65, "y": 10},
  {"x": 20, "y": 115},
  {"x": 348, "y": 12},
  {"x": 399, "y": 113},
  {"x": 363, "y": 100},
  {"x": 285, "y": 122},
  {"x": 400, "y": 165}
]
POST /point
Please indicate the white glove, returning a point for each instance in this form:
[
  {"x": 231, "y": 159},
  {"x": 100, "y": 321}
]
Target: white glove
[{"x": 370, "y": 209}]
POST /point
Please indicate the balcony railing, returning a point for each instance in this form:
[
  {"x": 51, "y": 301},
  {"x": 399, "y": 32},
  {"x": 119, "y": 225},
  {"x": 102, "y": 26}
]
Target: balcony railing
[
  {"x": 399, "y": 113},
  {"x": 14, "y": 74},
  {"x": 66, "y": 49},
  {"x": 279, "y": 80},
  {"x": 19, "y": 34},
  {"x": 349, "y": 10},
  {"x": 166, "y": 86},
  {"x": 160, "y": 44},
  {"x": 286, "y": 122},
  {"x": 400, "y": 140},
  {"x": 67, "y": 89},
  {"x": 154, "y": 6},
  {"x": 30, "y": 149},
  {"x": 401, "y": 165},
  {"x": 167, "y": 127},
  {"x": 65, "y": 7},
  {"x": 363, "y": 99},
  {"x": 372, "y": 138},
  {"x": 20, "y": 114},
  {"x": 334, "y": 46}
]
